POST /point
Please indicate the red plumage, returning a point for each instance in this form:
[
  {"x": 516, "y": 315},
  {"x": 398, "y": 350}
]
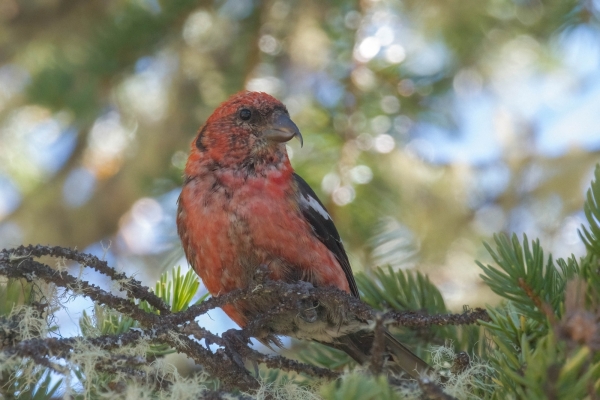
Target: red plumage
[{"x": 242, "y": 206}]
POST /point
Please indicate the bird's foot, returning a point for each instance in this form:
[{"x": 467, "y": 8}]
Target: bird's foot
[
  {"x": 308, "y": 310},
  {"x": 236, "y": 344}
]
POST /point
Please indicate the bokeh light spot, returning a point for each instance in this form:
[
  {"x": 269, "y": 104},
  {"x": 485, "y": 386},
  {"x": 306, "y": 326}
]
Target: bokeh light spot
[
  {"x": 395, "y": 54},
  {"x": 343, "y": 195},
  {"x": 268, "y": 44},
  {"x": 361, "y": 174},
  {"x": 384, "y": 143},
  {"x": 330, "y": 182},
  {"x": 390, "y": 104},
  {"x": 367, "y": 49}
]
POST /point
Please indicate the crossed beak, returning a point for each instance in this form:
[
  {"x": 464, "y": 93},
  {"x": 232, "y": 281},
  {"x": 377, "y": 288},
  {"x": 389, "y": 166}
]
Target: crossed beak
[{"x": 282, "y": 129}]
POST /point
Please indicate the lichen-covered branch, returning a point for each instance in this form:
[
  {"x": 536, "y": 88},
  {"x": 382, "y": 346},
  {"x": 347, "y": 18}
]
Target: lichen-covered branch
[
  {"x": 175, "y": 329},
  {"x": 413, "y": 319},
  {"x": 132, "y": 287}
]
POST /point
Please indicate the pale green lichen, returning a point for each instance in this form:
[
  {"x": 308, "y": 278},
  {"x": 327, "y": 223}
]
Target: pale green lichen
[
  {"x": 31, "y": 325},
  {"x": 469, "y": 383}
]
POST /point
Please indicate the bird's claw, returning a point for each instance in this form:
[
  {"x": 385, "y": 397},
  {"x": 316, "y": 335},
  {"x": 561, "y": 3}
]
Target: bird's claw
[
  {"x": 308, "y": 311},
  {"x": 236, "y": 345},
  {"x": 308, "y": 307}
]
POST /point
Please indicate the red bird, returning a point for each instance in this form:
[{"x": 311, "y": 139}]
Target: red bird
[{"x": 242, "y": 206}]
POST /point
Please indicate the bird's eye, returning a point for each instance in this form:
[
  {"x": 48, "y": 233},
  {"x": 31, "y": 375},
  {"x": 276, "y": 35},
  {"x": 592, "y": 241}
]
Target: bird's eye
[{"x": 245, "y": 114}]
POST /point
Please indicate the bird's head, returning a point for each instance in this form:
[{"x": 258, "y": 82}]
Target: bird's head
[{"x": 248, "y": 130}]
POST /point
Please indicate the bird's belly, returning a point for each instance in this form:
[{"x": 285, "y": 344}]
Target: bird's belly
[
  {"x": 218, "y": 241},
  {"x": 228, "y": 234}
]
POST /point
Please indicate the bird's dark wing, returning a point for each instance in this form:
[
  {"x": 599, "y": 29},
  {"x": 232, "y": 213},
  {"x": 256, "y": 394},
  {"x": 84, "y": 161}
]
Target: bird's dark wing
[
  {"x": 319, "y": 219},
  {"x": 357, "y": 345}
]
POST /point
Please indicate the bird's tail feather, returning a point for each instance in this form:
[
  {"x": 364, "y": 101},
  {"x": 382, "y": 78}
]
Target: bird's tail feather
[{"x": 358, "y": 346}]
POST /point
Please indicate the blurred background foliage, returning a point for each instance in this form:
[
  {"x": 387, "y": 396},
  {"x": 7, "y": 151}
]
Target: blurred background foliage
[{"x": 428, "y": 126}]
